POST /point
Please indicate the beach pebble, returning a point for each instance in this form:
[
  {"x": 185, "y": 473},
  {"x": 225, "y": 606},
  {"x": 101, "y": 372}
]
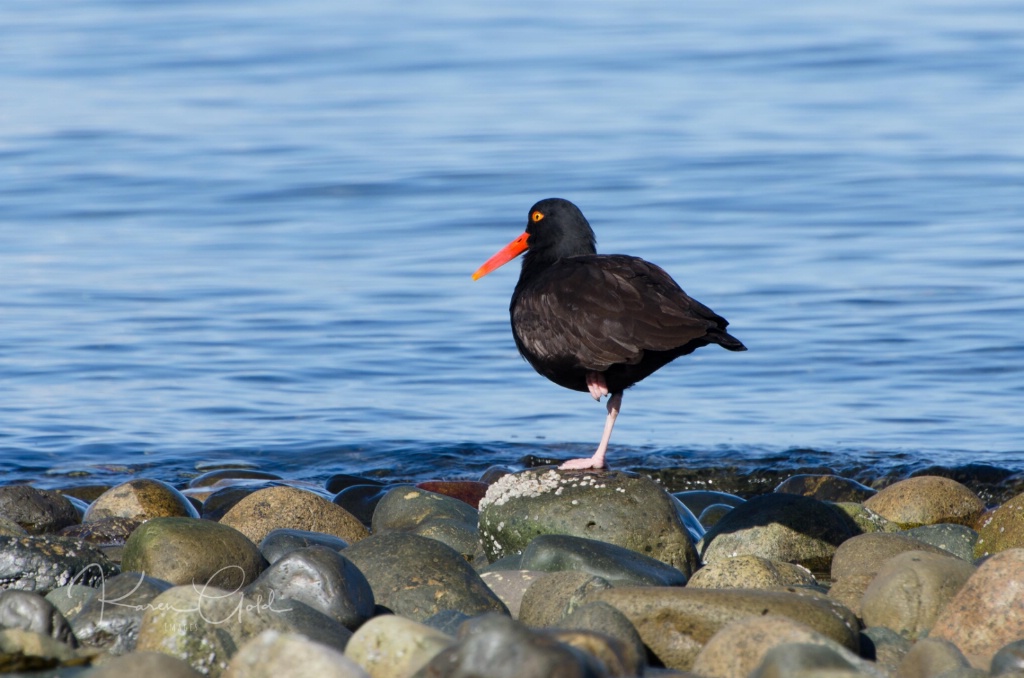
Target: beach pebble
[
  {"x": 510, "y": 586},
  {"x": 781, "y": 527},
  {"x": 224, "y": 476},
  {"x": 750, "y": 572},
  {"x": 31, "y": 612},
  {"x": 613, "y": 507},
  {"x": 469, "y": 491},
  {"x": 885, "y": 647},
  {"x": 867, "y": 520},
  {"x": 740, "y": 646},
  {"x": 604, "y": 619},
  {"x": 70, "y": 599},
  {"x": 262, "y": 512},
  {"x": 42, "y": 563},
  {"x": 321, "y": 578},
  {"x": 551, "y": 598},
  {"x": 825, "y": 487},
  {"x": 958, "y": 540},
  {"x": 140, "y": 499},
  {"x": 911, "y": 589},
  {"x": 710, "y": 516},
  {"x": 428, "y": 514},
  {"x": 205, "y": 626},
  {"x": 281, "y": 542},
  {"x": 927, "y": 500},
  {"x": 361, "y": 500},
  {"x": 276, "y": 654},
  {"x": 812, "y": 660},
  {"x": 341, "y": 481},
  {"x": 222, "y": 499},
  {"x": 36, "y": 511},
  {"x": 110, "y": 619},
  {"x": 22, "y": 650},
  {"x": 144, "y": 665},
  {"x": 617, "y": 565},
  {"x": 1009, "y": 659},
  {"x": 608, "y": 651},
  {"x": 499, "y": 647},
  {"x": 9, "y": 528},
  {"x": 988, "y": 611},
  {"x": 190, "y": 550},
  {"x": 417, "y": 577},
  {"x": 931, "y": 657},
  {"x": 389, "y": 646},
  {"x": 676, "y": 622},
  {"x": 104, "y": 531},
  {"x": 698, "y": 500},
  {"x": 1002, "y": 528}
]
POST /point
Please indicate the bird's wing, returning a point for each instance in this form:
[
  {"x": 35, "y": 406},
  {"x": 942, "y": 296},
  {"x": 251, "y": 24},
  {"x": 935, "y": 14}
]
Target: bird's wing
[{"x": 601, "y": 310}]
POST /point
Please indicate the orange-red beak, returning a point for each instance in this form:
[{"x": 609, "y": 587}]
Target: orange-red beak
[{"x": 503, "y": 256}]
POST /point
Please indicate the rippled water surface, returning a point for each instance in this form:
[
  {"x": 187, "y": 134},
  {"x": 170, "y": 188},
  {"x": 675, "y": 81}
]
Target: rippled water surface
[{"x": 245, "y": 230}]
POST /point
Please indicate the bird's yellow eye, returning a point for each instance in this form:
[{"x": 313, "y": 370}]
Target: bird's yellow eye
[{"x": 536, "y": 216}]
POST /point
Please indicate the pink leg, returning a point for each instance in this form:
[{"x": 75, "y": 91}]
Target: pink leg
[{"x": 597, "y": 461}]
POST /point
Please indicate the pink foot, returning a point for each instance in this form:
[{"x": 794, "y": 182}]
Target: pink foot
[
  {"x": 581, "y": 464},
  {"x": 596, "y": 385}
]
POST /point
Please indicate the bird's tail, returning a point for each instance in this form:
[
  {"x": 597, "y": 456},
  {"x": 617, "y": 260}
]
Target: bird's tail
[{"x": 726, "y": 340}]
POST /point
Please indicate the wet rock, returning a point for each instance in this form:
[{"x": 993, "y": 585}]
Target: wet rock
[
  {"x": 9, "y": 528},
  {"x": 447, "y": 622},
  {"x": 273, "y": 654},
  {"x": 988, "y": 611},
  {"x": 927, "y": 500},
  {"x": 69, "y": 600},
  {"x": 43, "y": 563},
  {"x": 612, "y": 507},
  {"x": 740, "y": 646},
  {"x": 460, "y": 536},
  {"x": 698, "y": 500},
  {"x": 931, "y": 657},
  {"x": 148, "y": 664},
  {"x": 275, "y": 508},
  {"x": 867, "y": 520},
  {"x": 342, "y": 481},
  {"x": 1001, "y": 529},
  {"x": 321, "y": 578},
  {"x": 608, "y": 651},
  {"x": 809, "y": 660},
  {"x": 910, "y": 591},
  {"x": 32, "y": 612},
  {"x": 469, "y": 491},
  {"x": 417, "y": 577},
  {"x": 86, "y": 493},
  {"x": 958, "y": 540},
  {"x": 751, "y": 572},
  {"x": 550, "y": 599},
  {"x": 604, "y": 619},
  {"x": 222, "y": 499},
  {"x": 105, "y": 531},
  {"x": 428, "y": 514},
  {"x": 885, "y": 647},
  {"x": 710, "y": 516},
  {"x": 212, "y": 478},
  {"x": 675, "y": 623},
  {"x": 781, "y": 527},
  {"x": 22, "y": 650},
  {"x": 36, "y": 511},
  {"x": 498, "y": 647},
  {"x": 361, "y": 500},
  {"x": 205, "y": 626},
  {"x": 110, "y": 619},
  {"x": 617, "y": 565},
  {"x": 825, "y": 487},
  {"x": 189, "y": 550},
  {"x": 390, "y": 646},
  {"x": 510, "y": 586},
  {"x": 1009, "y": 660},
  {"x": 281, "y": 542},
  {"x": 859, "y": 559},
  {"x": 140, "y": 499}
]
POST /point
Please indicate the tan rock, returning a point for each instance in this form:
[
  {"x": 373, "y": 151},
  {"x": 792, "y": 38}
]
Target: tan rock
[
  {"x": 273, "y": 654},
  {"x": 274, "y": 508},
  {"x": 550, "y": 598},
  {"x": 927, "y": 500},
  {"x": 1001, "y": 529},
  {"x": 511, "y": 585},
  {"x": 930, "y": 657},
  {"x": 750, "y": 572},
  {"x": 141, "y": 499},
  {"x": 389, "y": 646}
]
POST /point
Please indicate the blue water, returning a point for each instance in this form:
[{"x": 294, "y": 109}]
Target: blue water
[{"x": 244, "y": 231}]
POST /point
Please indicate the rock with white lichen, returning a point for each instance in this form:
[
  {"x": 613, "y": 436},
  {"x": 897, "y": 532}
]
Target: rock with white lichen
[{"x": 613, "y": 507}]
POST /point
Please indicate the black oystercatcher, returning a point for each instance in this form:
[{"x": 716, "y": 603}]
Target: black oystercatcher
[{"x": 597, "y": 322}]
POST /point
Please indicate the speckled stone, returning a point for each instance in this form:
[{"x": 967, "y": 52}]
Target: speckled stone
[
  {"x": 9, "y": 528},
  {"x": 140, "y": 499},
  {"x": 389, "y": 646},
  {"x": 104, "y": 531},
  {"x": 275, "y": 508},
  {"x": 1001, "y": 528},
  {"x": 750, "y": 572},
  {"x": 826, "y": 487},
  {"x": 276, "y": 654},
  {"x": 867, "y": 520},
  {"x": 551, "y": 598},
  {"x": 927, "y": 500},
  {"x": 510, "y": 586},
  {"x": 36, "y": 511},
  {"x": 43, "y": 563},
  {"x": 613, "y": 507},
  {"x": 958, "y": 540}
]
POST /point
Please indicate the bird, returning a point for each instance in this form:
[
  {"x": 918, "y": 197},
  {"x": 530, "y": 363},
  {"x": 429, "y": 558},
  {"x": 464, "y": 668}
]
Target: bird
[{"x": 597, "y": 323}]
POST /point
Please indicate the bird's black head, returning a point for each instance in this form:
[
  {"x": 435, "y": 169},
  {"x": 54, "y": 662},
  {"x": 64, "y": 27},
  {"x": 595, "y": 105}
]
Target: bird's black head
[{"x": 557, "y": 229}]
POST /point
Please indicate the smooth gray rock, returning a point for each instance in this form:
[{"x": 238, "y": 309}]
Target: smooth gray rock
[
  {"x": 284, "y": 541},
  {"x": 32, "y": 612},
  {"x": 37, "y": 511},
  {"x": 43, "y": 563},
  {"x": 110, "y": 620},
  {"x": 617, "y": 565},
  {"x": 959, "y": 540}
]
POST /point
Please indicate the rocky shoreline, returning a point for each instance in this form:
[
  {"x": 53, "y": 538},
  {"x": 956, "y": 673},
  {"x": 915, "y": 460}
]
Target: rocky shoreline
[{"x": 244, "y": 574}]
